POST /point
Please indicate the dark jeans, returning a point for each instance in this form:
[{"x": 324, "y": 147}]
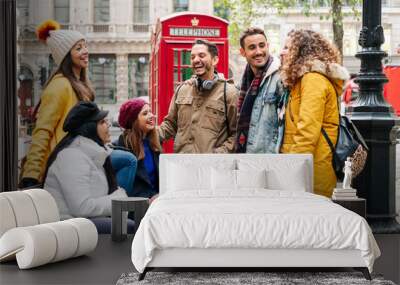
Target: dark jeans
[
  {"x": 124, "y": 164},
  {"x": 103, "y": 225}
]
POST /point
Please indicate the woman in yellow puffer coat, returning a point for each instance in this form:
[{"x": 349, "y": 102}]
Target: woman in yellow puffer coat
[
  {"x": 312, "y": 73},
  {"x": 68, "y": 85}
]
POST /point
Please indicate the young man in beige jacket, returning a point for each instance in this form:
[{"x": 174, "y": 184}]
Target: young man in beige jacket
[{"x": 202, "y": 113}]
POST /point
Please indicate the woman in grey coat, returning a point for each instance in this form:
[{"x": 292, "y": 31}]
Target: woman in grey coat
[{"x": 79, "y": 174}]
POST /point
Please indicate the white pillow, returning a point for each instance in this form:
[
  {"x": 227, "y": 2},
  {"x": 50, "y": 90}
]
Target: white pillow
[
  {"x": 223, "y": 179},
  {"x": 251, "y": 178},
  {"x": 226, "y": 179},
  {"x": 281, "y": 180},
  {"x": 282, "y": 173},
  {"x": 185, "y": 177},
  {"x": 194, "y": 174}
]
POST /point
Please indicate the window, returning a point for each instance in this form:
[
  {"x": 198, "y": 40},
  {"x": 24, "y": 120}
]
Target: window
[
  {"x": 102, "y": 73},
  {"x": 182, "y": 66},
  {"x": 138, "y": 73},
  {"x": 181, "y": 5},
  {"x": 101, "y": 11},
  {"x": 141, "y": 11},
  {"x": 61, "y": 11},
  {"x": 23, "y": 12}
]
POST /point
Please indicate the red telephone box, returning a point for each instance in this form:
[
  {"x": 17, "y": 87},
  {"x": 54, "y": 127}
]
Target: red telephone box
[{"x": 170, "y": 55}]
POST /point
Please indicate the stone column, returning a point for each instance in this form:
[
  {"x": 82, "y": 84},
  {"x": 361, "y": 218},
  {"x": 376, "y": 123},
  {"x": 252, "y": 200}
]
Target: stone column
[{"x": 122, "y": 78}]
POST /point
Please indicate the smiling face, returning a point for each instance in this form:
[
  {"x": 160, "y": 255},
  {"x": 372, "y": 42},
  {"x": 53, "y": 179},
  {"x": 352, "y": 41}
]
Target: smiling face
[
  {"x": 145, "y": 119},
  {"x": 103, "y": 130},
  {"x": 203, "y": 64},
  {"x": 255, "y": 51},
  {"x": 80, "y": 55}
]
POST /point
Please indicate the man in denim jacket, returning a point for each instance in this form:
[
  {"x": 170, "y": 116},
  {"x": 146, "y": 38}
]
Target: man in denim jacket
[{"x": 257, "y": 129}]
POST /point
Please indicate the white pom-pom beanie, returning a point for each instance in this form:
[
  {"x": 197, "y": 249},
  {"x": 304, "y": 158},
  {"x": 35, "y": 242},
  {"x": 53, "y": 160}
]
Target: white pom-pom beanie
[{"x": 61, "y": 42}]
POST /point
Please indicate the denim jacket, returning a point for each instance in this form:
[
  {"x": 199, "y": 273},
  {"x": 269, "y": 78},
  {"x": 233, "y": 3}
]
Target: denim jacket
[{"x": 263, "y": 130}]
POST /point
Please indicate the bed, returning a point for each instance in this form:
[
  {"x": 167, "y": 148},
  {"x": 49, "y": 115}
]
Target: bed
[{"x": 246, "y": 211}]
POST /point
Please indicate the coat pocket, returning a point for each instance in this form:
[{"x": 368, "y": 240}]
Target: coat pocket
[
  {"x": 184, "y": 105},
  {"x": 270, "y": 98},
  {"x": 293, "y": 107},
  {"x": 214, "y": 116}
]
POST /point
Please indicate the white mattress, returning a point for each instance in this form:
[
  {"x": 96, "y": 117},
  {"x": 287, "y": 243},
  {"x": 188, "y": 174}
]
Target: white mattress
[{"x": 251, "y": 219}]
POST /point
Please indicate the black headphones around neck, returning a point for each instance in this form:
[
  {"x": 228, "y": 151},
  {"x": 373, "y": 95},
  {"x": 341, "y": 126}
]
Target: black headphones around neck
[{"x": 206, "y": 84}]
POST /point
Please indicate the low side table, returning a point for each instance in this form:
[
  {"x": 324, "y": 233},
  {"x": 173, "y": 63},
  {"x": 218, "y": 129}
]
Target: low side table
[
  {"x": 120, "y": 207},
  {"x": 357, "y": 205}
]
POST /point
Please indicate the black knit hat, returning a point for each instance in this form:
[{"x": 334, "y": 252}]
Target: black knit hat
[{"x": 82, "y": 113}]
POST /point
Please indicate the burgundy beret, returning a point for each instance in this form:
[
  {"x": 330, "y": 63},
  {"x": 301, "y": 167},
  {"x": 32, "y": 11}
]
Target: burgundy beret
[{"x": 129, "y": 112}]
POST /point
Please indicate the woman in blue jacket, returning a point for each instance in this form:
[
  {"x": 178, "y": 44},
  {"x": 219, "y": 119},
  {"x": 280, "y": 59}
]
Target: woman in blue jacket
[{"x": 140, "y": 137}]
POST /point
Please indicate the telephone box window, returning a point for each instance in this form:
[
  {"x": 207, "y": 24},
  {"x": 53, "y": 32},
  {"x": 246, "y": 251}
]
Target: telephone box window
[
  {"x": 182, "y": 66},
  {"x": 175, "y": 57}
]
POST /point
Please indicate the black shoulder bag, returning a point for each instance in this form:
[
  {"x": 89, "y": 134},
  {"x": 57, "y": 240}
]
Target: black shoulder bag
[{"x": 350, "y": 143}]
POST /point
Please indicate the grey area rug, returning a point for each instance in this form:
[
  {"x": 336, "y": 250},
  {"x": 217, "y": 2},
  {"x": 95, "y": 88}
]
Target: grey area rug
[{"x": 243, "y": 278}]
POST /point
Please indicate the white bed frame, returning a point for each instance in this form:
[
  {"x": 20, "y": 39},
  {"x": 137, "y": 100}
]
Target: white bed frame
[
  {"x": 234, "y": 257},
  {"x": 252, "y": 258}
]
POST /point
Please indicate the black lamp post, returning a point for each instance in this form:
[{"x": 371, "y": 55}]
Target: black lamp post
[{"x": 378, "y": 124}]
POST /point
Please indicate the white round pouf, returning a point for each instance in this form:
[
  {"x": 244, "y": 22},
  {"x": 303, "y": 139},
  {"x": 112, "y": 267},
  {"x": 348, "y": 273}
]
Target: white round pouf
[
  {"x": 23, "y": 207},
  {"x": 7, "y": 217},
  {"x": 46, "y": 207}
]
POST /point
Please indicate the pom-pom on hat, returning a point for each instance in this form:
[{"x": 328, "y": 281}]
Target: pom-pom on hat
[
  {"x": 81, "y": 113},
  {"x": 129, "y": 112},
  {"x": 59, "y": 41}
]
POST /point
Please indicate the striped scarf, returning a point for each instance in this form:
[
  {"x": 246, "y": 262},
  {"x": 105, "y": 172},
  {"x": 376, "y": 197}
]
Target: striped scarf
[{"x": 248, "y": 94}]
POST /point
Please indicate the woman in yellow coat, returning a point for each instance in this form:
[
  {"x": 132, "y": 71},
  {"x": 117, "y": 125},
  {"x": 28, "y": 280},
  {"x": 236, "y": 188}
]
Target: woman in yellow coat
[
  {"x": 314, "y": 77},
  {"x": 68, "y": 85}
]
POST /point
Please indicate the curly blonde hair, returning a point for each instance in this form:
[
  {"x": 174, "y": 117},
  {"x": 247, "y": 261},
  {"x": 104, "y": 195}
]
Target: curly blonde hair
[{"x": 306, "y": 46}]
